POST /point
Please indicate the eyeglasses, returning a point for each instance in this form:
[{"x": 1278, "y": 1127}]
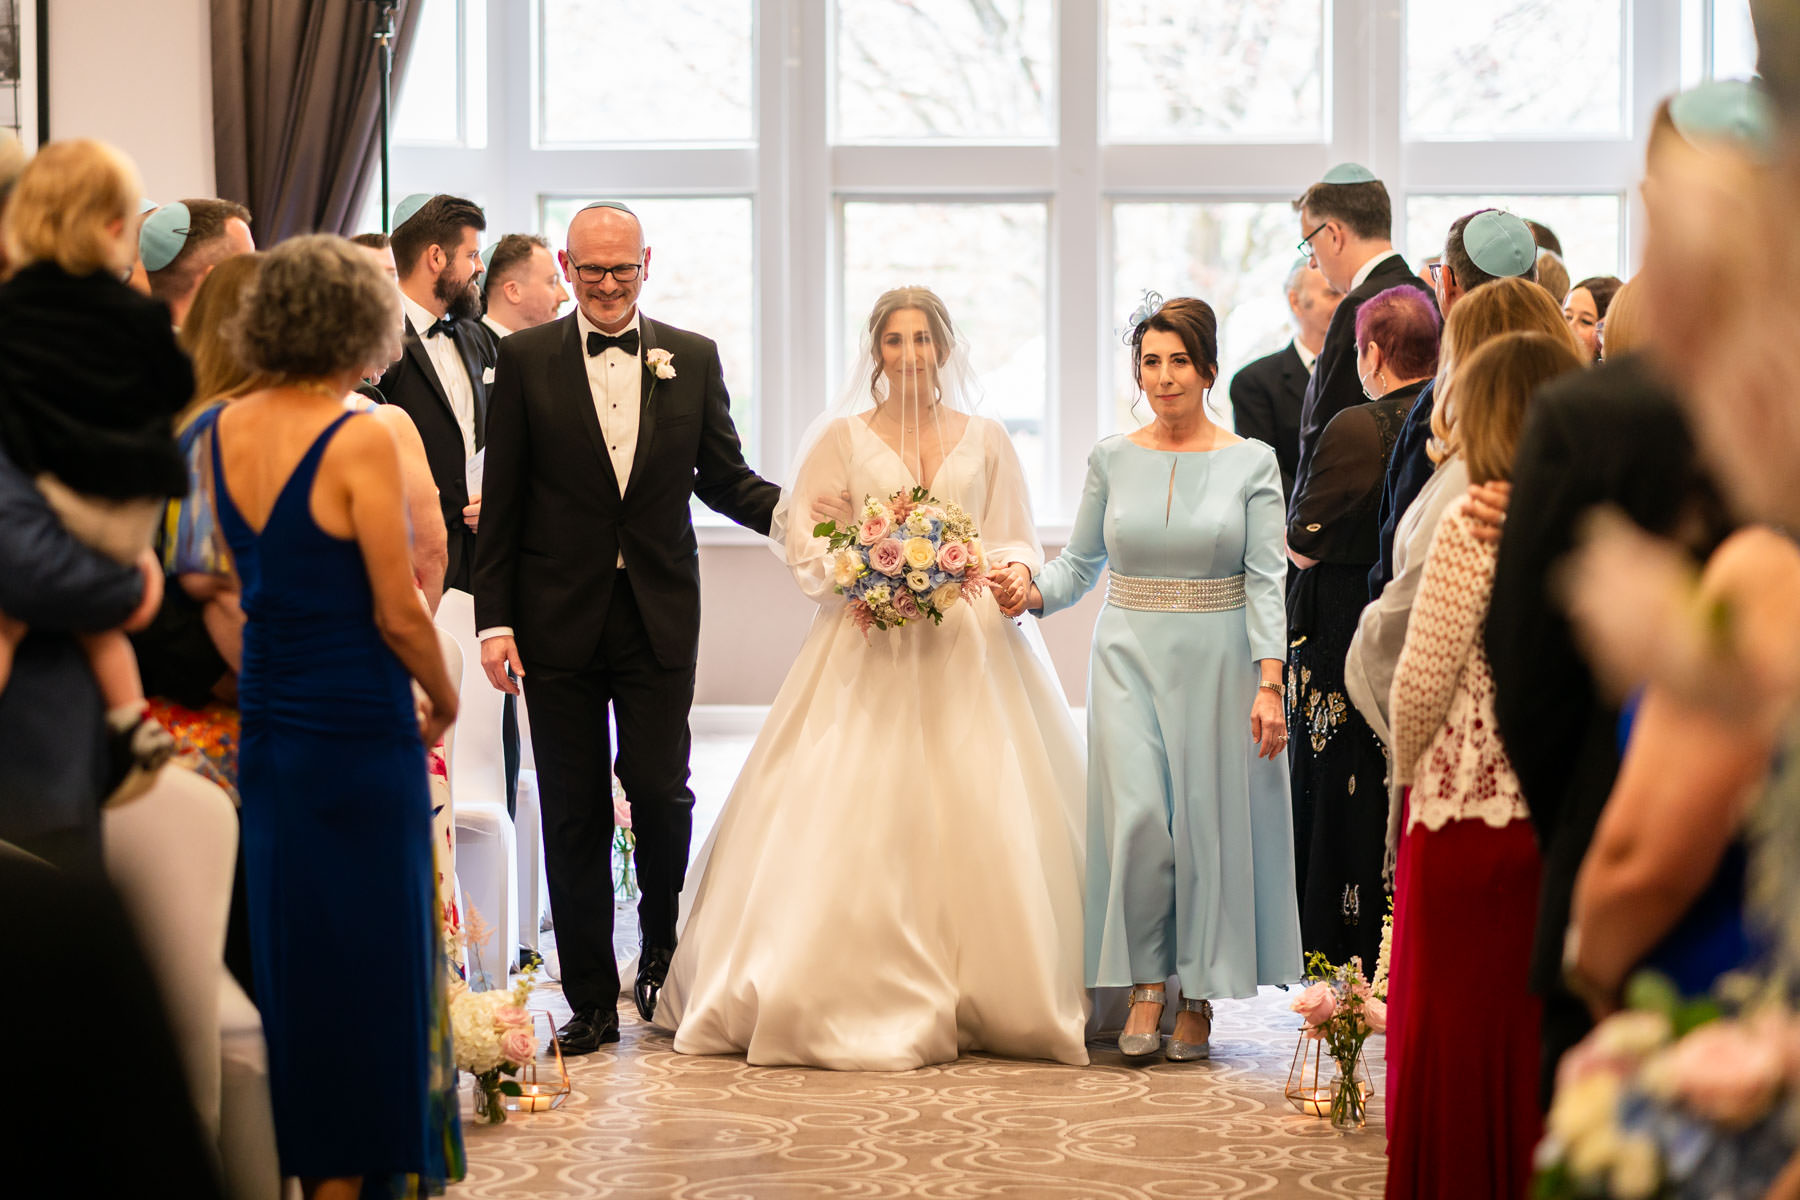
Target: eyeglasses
[
  {"x": 590, "y": 273},
  {"x": 1436, "y": 271},
  {"x": 1305, "y": 244}
]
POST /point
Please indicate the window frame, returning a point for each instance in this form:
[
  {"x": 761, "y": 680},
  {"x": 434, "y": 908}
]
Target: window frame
[{"x": 799, "y": 180}]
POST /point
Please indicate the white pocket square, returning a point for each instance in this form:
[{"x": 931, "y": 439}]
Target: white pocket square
[{"x": 487, "y": 375}]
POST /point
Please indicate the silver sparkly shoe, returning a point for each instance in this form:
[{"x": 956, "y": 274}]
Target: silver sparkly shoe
[
  {"x": 1180, "y": 1051},
  {"x": 1142, "y": 1045}
]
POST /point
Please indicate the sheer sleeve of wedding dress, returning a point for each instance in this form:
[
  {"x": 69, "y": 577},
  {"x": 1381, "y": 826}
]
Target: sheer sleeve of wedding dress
[
  {"x": 1008, "y": 533},
  {"x": 825, "y": 471}
]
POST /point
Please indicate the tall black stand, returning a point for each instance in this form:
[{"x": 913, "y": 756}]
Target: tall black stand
[{"x": 384, "y": 53}]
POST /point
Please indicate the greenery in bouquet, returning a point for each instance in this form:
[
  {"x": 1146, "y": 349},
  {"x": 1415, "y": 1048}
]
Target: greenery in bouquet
[
  {"x": 492, "y": 1039},
  {"x": 624, "y": 847},
  {"x": 1341, "y": 1009},
  {"x": 909, "y": 558},
  {"x": 1674, "y": 1099}
]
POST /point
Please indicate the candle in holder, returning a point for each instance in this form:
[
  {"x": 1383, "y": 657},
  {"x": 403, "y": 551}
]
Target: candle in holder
[
  {"x": 1318, "y": 1103},
  {"x": 535, "y": 1101}
]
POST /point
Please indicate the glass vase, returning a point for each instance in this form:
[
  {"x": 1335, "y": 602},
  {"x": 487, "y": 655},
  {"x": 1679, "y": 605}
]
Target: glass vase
[
  {"x": 1350, "y": 1094},
  {"x": 490, "y": 1103}
]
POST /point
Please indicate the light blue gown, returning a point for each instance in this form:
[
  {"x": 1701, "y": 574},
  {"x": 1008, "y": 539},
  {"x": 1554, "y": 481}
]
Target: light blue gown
[{"x": 1190, "y": 846}]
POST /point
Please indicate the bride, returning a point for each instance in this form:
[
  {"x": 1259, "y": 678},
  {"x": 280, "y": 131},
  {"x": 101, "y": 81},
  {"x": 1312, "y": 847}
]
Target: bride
[{"x": 896, "y": 877}]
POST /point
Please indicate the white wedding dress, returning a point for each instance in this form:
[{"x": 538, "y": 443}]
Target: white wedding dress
[{"x": 896, "y": 877}]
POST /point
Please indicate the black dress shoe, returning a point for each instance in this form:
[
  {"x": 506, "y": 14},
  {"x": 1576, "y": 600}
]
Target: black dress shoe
[
  {"x": 587, "y": 1031},
  {"x": 653, "y": 970}
]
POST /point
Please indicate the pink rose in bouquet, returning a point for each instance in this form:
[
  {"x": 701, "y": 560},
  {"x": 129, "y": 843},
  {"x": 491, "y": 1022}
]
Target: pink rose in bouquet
[
  {"x": 906, "y": 606},
  {"x": 873, "y": 529},
  {"x": 519, "y": 1046},
  {"x": 1726, "y": 1072},
  {"x": 887, "y": 556},
  {"x": 1375, "y": 1015},
  {"x": 1316, "y": 1004},
  {"x": 954, "y": 557},
  {"x": 621, "y": 811}
]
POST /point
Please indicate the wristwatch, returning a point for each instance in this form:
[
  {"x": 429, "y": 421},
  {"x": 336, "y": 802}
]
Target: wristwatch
[{"x": 1280, "y": 689}]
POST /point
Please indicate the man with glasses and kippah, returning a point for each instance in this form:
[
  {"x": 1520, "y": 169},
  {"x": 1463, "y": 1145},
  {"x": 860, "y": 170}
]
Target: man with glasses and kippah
[{"x": 603, "y": 426}]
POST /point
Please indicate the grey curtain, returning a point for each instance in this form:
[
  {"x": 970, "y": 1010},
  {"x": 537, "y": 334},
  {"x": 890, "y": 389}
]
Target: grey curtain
[{"x": 296, "y": 103}]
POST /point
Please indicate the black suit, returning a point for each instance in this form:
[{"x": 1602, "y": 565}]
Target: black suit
[
  {"x": 1334, "y": 385},
  {"x": 1612, "y": 435},
  {"x": 593, "y": 636},
  {"x": 1266, "y": 396},
  {"x": 412, "y": 384},
  {"x": 53, "y": 754}
]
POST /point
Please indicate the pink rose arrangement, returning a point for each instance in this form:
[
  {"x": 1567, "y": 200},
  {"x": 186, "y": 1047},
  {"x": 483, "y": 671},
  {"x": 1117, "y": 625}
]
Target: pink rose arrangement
[
  {"x": 907, "y": 558},
  {"x": 1340, "y": 1009},
  {"x": 491, "y": 1038},
  {"x": 624, "y": 847}
]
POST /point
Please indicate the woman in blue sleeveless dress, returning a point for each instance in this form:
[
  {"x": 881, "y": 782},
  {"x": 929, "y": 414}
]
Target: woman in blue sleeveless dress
[
  {"x": 345, "y": 942},
  {"x": 1190, "y": 865}
]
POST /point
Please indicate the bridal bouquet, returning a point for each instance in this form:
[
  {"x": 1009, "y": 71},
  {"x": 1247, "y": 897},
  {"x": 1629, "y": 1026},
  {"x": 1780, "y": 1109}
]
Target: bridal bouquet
[
  {"x": 1672, "y": 1099},
  {"x": 491, "y": 1036},
  {"x": 911, "y": 558}
]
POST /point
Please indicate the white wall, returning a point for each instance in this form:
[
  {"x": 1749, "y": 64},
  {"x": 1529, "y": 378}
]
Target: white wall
[
  {"x": 138, "y": 74},
  {"x": 753, "y": 619}
]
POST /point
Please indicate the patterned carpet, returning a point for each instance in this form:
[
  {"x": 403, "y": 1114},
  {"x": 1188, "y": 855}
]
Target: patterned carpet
[{"x": 646, "y": 1122}]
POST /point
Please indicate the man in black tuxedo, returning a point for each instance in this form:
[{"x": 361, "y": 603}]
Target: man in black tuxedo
[
  {"x": 602, "y": 426},
  {"x": 1611, "y": 435},
  {"x": 440, "y": 378},
  {"x": 1266, "y": 395},
  {"x": 1346, "y": 228}
]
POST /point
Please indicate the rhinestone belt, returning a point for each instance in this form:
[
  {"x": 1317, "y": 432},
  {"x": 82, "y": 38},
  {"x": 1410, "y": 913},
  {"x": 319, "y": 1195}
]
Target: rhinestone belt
[{"x": 1175, "y": 595}]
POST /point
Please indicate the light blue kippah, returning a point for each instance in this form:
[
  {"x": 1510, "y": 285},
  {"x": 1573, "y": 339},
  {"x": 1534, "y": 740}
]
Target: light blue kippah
[
  {"x": 1349, "y": 172},
  {"x": 409, "y": 208},
  {"x": 620, "y": 205},
  {"x": 487, "y": 255},
  {"x": 147, "y": 205},
  {"x": 164, "y": 233},
  {"x": 1500, "y": 243},
  {"x": 1727, "y": 110}
]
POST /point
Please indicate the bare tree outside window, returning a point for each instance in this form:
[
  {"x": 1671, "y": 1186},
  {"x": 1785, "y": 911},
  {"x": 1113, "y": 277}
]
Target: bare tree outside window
[
  {"x": 1588, "y": 226},
  {"x": 1224, "y": 70},
  {"x": 646, "y": 71},
  {"x": 929, "y": 70},
  {"x": 1514, "y": 68}
]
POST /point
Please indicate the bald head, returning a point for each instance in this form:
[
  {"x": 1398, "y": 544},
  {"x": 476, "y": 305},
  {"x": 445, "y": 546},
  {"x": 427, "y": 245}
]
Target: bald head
[{"x": 606, "y": 237}]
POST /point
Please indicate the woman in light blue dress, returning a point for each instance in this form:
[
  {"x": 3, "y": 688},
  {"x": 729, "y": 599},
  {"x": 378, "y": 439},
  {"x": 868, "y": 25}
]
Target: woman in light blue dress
[{"x": 1190, "y": 847}]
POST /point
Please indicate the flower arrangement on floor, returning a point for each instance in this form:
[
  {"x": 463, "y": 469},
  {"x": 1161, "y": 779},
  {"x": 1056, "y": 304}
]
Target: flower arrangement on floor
[
  {"x": 1341, "y": 1010},
  {"x": 624, "y": 848},
  {"x": 910, "y": 558},
  {"x": 1674, "y": 1100},
  {"x": 492, "y": 1036}
]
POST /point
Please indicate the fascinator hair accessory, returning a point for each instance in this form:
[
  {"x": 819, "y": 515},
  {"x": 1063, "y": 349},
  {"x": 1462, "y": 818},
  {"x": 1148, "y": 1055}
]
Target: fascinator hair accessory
[{"x": 1148, "y": 307}]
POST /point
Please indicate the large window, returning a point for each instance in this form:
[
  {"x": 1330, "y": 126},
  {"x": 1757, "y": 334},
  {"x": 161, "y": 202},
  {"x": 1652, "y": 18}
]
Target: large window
[{"x": 1040, "y": 163}]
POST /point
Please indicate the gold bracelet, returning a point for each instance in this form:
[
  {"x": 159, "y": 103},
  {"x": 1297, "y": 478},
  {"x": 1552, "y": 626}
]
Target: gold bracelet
[{"x": 1280, "y": 689}]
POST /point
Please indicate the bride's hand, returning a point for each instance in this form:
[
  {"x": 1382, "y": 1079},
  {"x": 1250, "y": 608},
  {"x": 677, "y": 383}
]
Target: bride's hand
[{"x": 1009, "y": 584}]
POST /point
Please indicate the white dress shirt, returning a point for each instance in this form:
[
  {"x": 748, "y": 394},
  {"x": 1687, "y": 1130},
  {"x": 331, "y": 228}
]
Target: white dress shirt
[
  {"x": 615, "y": 380},
  {"x": 1307, "y": 357},
  {"x": 451, "y": 372},
  {"x": 498, "y": 329},
  {"x": 1367, "y": 269}
]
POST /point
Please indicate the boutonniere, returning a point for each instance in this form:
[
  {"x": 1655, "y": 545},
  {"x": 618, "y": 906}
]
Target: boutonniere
[{"x": 659, "y": 362}]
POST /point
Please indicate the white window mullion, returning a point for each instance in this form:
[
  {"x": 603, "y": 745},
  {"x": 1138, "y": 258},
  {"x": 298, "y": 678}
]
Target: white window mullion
[{"x": 1078, "y": 260}]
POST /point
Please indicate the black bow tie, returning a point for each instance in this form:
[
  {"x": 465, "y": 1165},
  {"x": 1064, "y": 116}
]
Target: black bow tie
[
  {"x": 627, "y": 341},
  {"x": 443, "y": 325}
]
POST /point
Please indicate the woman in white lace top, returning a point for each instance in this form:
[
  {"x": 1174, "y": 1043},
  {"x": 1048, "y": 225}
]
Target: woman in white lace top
[{"x": 1462, "y": 1095}]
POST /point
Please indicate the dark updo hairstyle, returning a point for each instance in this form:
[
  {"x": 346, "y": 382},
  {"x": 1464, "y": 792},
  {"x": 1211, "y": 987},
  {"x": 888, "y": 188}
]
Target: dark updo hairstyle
[
  {"x": 1602, "y": 288},
  {"x": 1191, "y": 320}
]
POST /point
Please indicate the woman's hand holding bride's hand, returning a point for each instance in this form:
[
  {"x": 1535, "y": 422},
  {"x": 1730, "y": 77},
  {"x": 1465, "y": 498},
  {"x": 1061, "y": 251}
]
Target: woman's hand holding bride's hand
[{"x": 1009, "y": 584}]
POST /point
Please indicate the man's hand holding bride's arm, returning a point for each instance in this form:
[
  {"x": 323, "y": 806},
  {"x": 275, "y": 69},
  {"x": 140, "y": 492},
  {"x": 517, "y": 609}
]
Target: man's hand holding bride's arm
[{"x": 833, "y": 508}]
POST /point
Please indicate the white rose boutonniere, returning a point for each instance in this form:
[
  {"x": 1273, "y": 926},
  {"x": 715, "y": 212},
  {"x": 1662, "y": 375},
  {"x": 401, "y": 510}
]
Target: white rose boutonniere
[{"x": 660, "y": 363}]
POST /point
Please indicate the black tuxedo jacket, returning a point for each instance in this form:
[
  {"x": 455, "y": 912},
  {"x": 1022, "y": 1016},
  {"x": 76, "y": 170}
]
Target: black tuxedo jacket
[
  {"x": 1266, "y": 396},
  {"x": 1610, "y": 435},
  {"x": 552, "y": 520},
  {"x": 412, "y": 384},
  {"x": 1334, "y": 386}
]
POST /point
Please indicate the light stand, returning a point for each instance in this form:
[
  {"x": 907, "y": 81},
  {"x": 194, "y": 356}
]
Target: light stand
[{"x": 384, "y": 52}]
